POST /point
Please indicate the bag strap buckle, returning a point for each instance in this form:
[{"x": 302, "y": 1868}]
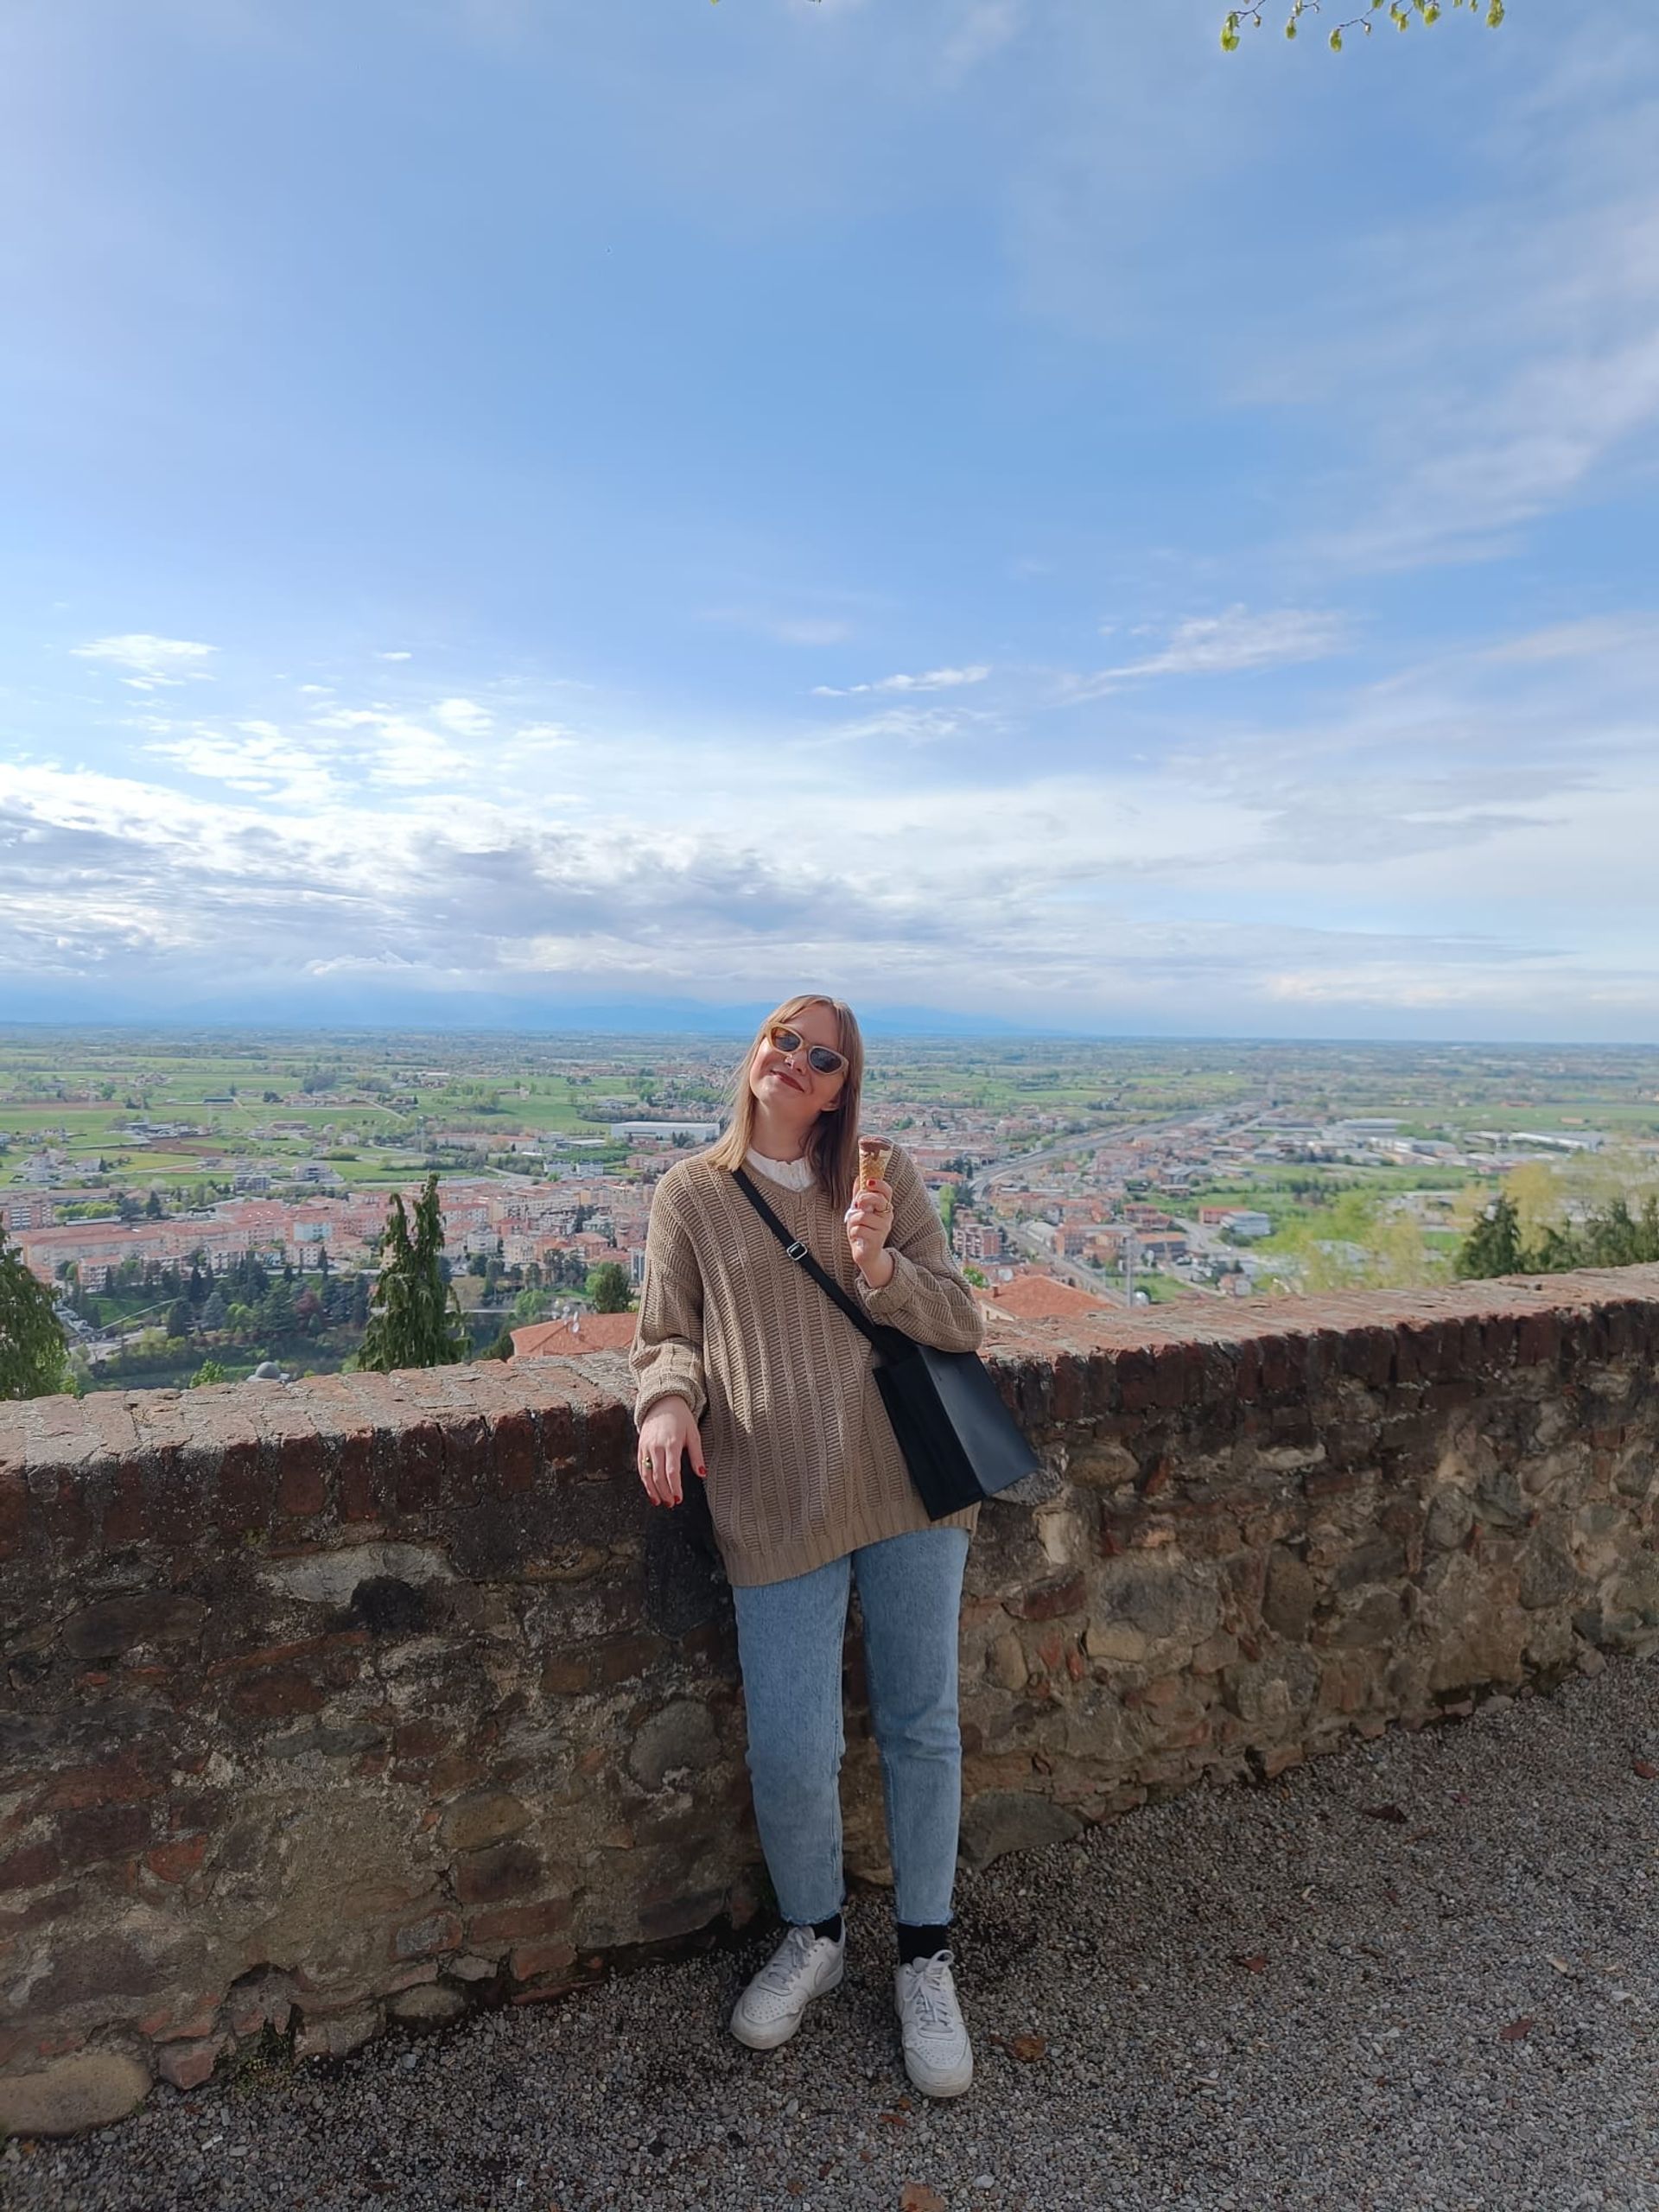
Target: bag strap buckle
[{"x": 797, "y": 1251}]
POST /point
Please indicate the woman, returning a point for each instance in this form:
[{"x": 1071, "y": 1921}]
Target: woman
[{"x": 737, "y": 1346}]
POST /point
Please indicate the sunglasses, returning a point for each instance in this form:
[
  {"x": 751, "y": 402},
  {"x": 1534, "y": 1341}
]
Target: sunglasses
[{"x": 821, "y": 1059}]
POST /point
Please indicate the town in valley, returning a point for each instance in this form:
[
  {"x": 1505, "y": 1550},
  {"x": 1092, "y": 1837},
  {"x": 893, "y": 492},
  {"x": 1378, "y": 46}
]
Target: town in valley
[{"x": 207, "y": 1205}]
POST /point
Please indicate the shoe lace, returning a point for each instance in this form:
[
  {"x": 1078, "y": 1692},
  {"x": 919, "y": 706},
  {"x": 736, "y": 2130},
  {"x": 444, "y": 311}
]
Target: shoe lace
[
  {"x": 931, "y": 1993},
  {"x": 786, "y": 1962}
]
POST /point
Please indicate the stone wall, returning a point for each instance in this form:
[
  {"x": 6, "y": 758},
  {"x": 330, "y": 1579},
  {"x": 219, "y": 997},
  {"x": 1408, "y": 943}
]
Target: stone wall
[{"x": 368, "y": 1698}]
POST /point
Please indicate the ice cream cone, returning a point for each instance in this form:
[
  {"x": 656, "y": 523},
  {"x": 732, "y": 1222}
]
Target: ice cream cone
[{"x": 874, "y": 1154}]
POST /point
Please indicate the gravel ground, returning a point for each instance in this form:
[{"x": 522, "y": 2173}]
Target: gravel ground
[{"x": 1421, "y": 1973}]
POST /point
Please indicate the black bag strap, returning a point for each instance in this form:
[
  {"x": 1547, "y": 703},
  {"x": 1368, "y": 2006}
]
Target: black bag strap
[{"x": 882, "y": 1338}]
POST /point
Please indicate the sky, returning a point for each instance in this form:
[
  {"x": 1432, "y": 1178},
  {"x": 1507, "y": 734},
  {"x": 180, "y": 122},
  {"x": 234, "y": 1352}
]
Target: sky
[{"x": 516, "y": 512}]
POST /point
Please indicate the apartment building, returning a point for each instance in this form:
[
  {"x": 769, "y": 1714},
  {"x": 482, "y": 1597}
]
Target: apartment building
[{"x": 979, "y": 1240}]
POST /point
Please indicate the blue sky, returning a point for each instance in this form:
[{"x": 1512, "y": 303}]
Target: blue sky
[{"x": 510, "y": 507}]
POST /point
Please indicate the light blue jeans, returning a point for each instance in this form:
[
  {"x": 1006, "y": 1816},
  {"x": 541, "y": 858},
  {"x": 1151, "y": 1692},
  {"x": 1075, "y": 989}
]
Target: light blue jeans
[{"x": 789, "y": 1641}]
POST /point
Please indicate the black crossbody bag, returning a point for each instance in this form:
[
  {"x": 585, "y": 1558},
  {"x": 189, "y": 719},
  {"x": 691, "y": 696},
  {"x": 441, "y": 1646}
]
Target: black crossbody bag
[{"x": 959, "y": 1440}]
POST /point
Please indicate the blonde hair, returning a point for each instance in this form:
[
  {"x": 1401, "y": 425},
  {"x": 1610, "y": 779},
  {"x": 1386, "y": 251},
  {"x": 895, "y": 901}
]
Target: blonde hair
[{"x": 832, "y": 1141}]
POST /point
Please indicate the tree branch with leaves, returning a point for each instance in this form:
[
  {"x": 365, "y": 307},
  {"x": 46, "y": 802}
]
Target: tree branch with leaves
[{"x": 1401, "y": 13}]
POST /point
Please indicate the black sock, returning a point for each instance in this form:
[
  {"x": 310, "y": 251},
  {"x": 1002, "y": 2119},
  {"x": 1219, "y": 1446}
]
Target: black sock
[
  {"x": 916, "y": 1940},
  {"x": 831, "y": 1928}
]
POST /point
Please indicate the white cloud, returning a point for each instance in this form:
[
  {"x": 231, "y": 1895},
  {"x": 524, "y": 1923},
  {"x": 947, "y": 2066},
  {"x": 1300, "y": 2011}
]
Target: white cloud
[
  {"x": 255, "y": 758},
  {"x": 394, "y": 656},
  {"x": 412, "y": 756},
  {"x": 406, "y": 752},
  {"x": 1167, "y": 890},
  {"x": 1233, "y": 643},
  {"x": 464, "y": 717},
  {"x": 913, "y": 725},
  {"x": 1593, "y": 635},
  {"x": 1486, "y": 814},
  {"x": 362, "y": 963},
  {"x": 1541, "y": 436},
  {"x": 1494, "y": 372},
  {"x": 935, "y": 679},
  {"x": 153, "y": 661}
]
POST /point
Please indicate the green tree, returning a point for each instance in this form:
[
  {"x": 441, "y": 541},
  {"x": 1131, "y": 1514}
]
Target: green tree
[
  {"x": 608, "y": 1287},
  {"x": 1493, "y": 1246},
  {"x": 1614, "y": 1237},
  {"x": 416, "y": 1321},
  {"x": 180, "y": 1321},
  {"x": 34, "y": 1358},
  {"x": 531, "y": 1306},
  {"x": 1556, "y": 1251},
  {"x": 209, "y": 1371},
  {"x": 1401, "y": 1259},
  {"x": 154, "y": 1209}
]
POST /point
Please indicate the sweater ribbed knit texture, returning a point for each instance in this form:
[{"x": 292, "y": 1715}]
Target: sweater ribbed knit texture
[{"x": 803, "y": 1463}]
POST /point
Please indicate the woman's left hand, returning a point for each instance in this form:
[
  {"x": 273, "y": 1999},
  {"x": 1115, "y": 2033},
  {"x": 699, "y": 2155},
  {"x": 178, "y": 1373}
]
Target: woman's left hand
[{"x": 869, "y": 1224}]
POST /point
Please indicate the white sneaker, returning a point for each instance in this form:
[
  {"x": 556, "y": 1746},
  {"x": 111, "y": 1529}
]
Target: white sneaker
[
  {"x": 804, "y": 1965},
  {"x": 939, "y": 2057}
]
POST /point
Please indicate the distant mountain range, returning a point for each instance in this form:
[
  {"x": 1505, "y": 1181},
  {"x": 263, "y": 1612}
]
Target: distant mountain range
[{"x": 353, "y": 1005}]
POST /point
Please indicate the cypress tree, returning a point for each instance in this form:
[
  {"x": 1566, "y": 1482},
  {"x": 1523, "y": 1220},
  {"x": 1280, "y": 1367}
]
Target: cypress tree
[
  {"x": 416, "y": 1321},
  {"x": 1493, "y": 1245}
]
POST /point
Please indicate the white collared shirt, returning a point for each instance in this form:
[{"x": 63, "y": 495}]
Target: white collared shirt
[{"x": 793, "y": 1174}]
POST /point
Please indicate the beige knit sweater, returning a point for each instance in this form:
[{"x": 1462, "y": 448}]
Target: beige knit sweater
[{"x": 803, "y": 1465}]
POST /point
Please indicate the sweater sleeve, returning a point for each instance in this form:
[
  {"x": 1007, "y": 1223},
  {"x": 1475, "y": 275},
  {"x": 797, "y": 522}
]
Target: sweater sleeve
[
  {"x": 928, "y": 1297},
  {"x": 667, "y": 1353}
]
